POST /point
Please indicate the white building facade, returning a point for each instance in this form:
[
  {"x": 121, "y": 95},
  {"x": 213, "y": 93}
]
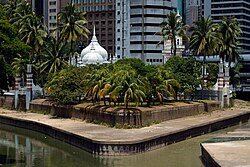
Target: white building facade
[{"x": 136, "y": 25}]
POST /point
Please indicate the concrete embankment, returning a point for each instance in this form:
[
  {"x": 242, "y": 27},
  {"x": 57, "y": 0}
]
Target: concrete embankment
[
  {"x": 102, "y": 140},
  {"x": 232, "y": 149}
]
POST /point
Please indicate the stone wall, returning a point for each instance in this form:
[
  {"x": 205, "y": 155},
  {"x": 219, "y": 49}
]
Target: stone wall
[
  {"x": 8, "y": 101},
  {"x": 122, "y": 117}
]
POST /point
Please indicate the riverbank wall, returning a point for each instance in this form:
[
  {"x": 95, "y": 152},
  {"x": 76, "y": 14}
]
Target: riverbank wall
[
  {"x": 126, "y": 117},
  {"x": 100, "y": 140}
]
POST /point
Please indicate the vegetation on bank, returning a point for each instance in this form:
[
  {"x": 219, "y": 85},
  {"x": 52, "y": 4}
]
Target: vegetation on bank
[
  {"x": 128, "y": 81},
  {"x": 25, "y": 39}
]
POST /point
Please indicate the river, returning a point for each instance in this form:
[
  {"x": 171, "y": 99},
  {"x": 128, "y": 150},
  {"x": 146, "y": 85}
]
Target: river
[{"x": 21, "y": 147}]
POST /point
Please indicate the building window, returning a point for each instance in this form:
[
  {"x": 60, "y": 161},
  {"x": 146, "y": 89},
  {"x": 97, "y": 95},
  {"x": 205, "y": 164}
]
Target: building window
[
  {"x": 96, "y": 8},
  {"x": 103, "y": 7},
  {"x": 52, "y": 3},
  {"x": 52, "y": 24},
  {"x": 118, "y": 48},
  {"x": 103, "y": 1},
  {"x": 118, "y": 39},
  {"x": 52, "y": 17},
  {"x": 52, "y": 10},
  {"x": 110, "y": 7}
]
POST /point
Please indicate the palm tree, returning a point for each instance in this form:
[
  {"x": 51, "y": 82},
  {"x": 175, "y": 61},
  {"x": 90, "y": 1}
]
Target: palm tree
[
  {"x": 18, "y": 10},
  {"x": 203, "y": 39},
  {"x": 72, "y": 26},
  {"x": 19, "y": 66},
  {"x": 10, "y": 8},
  {"x": 54, "y": 58},
  {"x": 128, "y": 87},
  {"x": 32, "y": 32},
  {"x": 98, "y": 84},
  {"x": 171, "y": 29},
  {"x": 229, "y": 33},
  {"x": 161, "y": 84}
]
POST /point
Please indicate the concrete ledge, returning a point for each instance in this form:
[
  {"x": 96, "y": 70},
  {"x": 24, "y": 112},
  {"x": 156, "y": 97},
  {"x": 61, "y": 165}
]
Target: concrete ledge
[
  {"x": 120, "y": 117},
  {"x": 102, "y": 140},
  {"x": 231, "y": 149}
]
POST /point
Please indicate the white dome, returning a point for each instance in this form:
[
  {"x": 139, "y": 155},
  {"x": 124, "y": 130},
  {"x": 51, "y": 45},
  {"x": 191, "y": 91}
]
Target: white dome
[
  {"x": 98, "y": 48},
  {"x": 92, "y": 57}
]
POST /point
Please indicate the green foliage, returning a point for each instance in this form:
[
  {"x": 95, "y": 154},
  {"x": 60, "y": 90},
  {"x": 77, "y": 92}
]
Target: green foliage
[
  {"x": 10, "y": 47},
  {"x": 72, "y": 26},
  {"x": 66, "y": 86},
  {"x": 186, "y": 72},
  {"x": 135, "y": 63},
  {"x": 171, "y": 29},
  {"x": 212, "y": 70}
]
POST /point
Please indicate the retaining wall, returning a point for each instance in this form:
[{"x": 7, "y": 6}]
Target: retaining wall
[
  {"x": 115, "y": 116},
  {"x": 126, "y": 148}
]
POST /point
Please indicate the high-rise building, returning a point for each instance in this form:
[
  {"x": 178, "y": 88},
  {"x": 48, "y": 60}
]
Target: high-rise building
[
  {"x": 136, "y": 25},
  {"x": 238, "y": 9},
  {"x": 193, "y": 11},
  {"x": 181, "y": 7},
  {"x": 100, "y": 13}
]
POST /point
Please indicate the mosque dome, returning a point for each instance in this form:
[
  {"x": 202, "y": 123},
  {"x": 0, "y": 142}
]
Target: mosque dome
[
  {"x": 98, "y": 48},
  {"x": 92, "y": 57}
]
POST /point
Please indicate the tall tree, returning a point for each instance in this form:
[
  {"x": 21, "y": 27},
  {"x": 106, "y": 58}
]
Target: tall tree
[
  {"x": 10, "y": 47},
  {"x": 203, "y": 39},
  {"x": 171, "y": 29},
  {"x": 229, "y": 33},
  {"x": 72, "y": 26},
  {"x": 54, "y": 58},
  {"x": 32, "y": 32}
]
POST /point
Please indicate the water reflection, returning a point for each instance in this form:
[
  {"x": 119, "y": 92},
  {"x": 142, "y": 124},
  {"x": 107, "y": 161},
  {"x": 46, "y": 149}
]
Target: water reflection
[{"x": 20, "y": 147}]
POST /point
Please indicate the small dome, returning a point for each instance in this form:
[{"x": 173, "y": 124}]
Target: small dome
[{"x": 92, "y": 57}]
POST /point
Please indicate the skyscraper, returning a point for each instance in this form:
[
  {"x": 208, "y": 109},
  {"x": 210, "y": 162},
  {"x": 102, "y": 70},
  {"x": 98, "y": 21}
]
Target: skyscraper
[
  {"x": 238, "y": 9},
  {"x": 136, "y": 25}
]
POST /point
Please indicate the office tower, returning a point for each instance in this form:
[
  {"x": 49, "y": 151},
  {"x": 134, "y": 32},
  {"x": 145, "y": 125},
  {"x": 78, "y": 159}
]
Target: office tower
[
  {"x": 54, "y": 7},
  {"x": 238, "y": 9},
  {"x": 136, "y": 25},
  {"x": 193, "y": 11},
  {"x": 181, "y": 7},
  {"x": 100, "y": 13}
]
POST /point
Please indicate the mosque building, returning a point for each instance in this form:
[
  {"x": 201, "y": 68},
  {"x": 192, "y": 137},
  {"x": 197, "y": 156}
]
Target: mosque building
[{"x": 94, "y": 53}]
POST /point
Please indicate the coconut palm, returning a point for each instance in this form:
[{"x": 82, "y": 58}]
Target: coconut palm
[
  {"x": 128, "y": 87},
  {"x": 98, "y": 84},
  {"x": 19, "y": 11},
  {"x": 54, "y": 58},
  {"x": 229, "y": 33},
  {"x": 10, "y": 8},
  {"x": 203, "y": 38},
  {"x": 72, "y": 26},
  {"x": 171, "y": 29},
  {"x": 32, "y": 32},
  {"x": 19, "y": 66},
  {"x": 162, "y": 84}
]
